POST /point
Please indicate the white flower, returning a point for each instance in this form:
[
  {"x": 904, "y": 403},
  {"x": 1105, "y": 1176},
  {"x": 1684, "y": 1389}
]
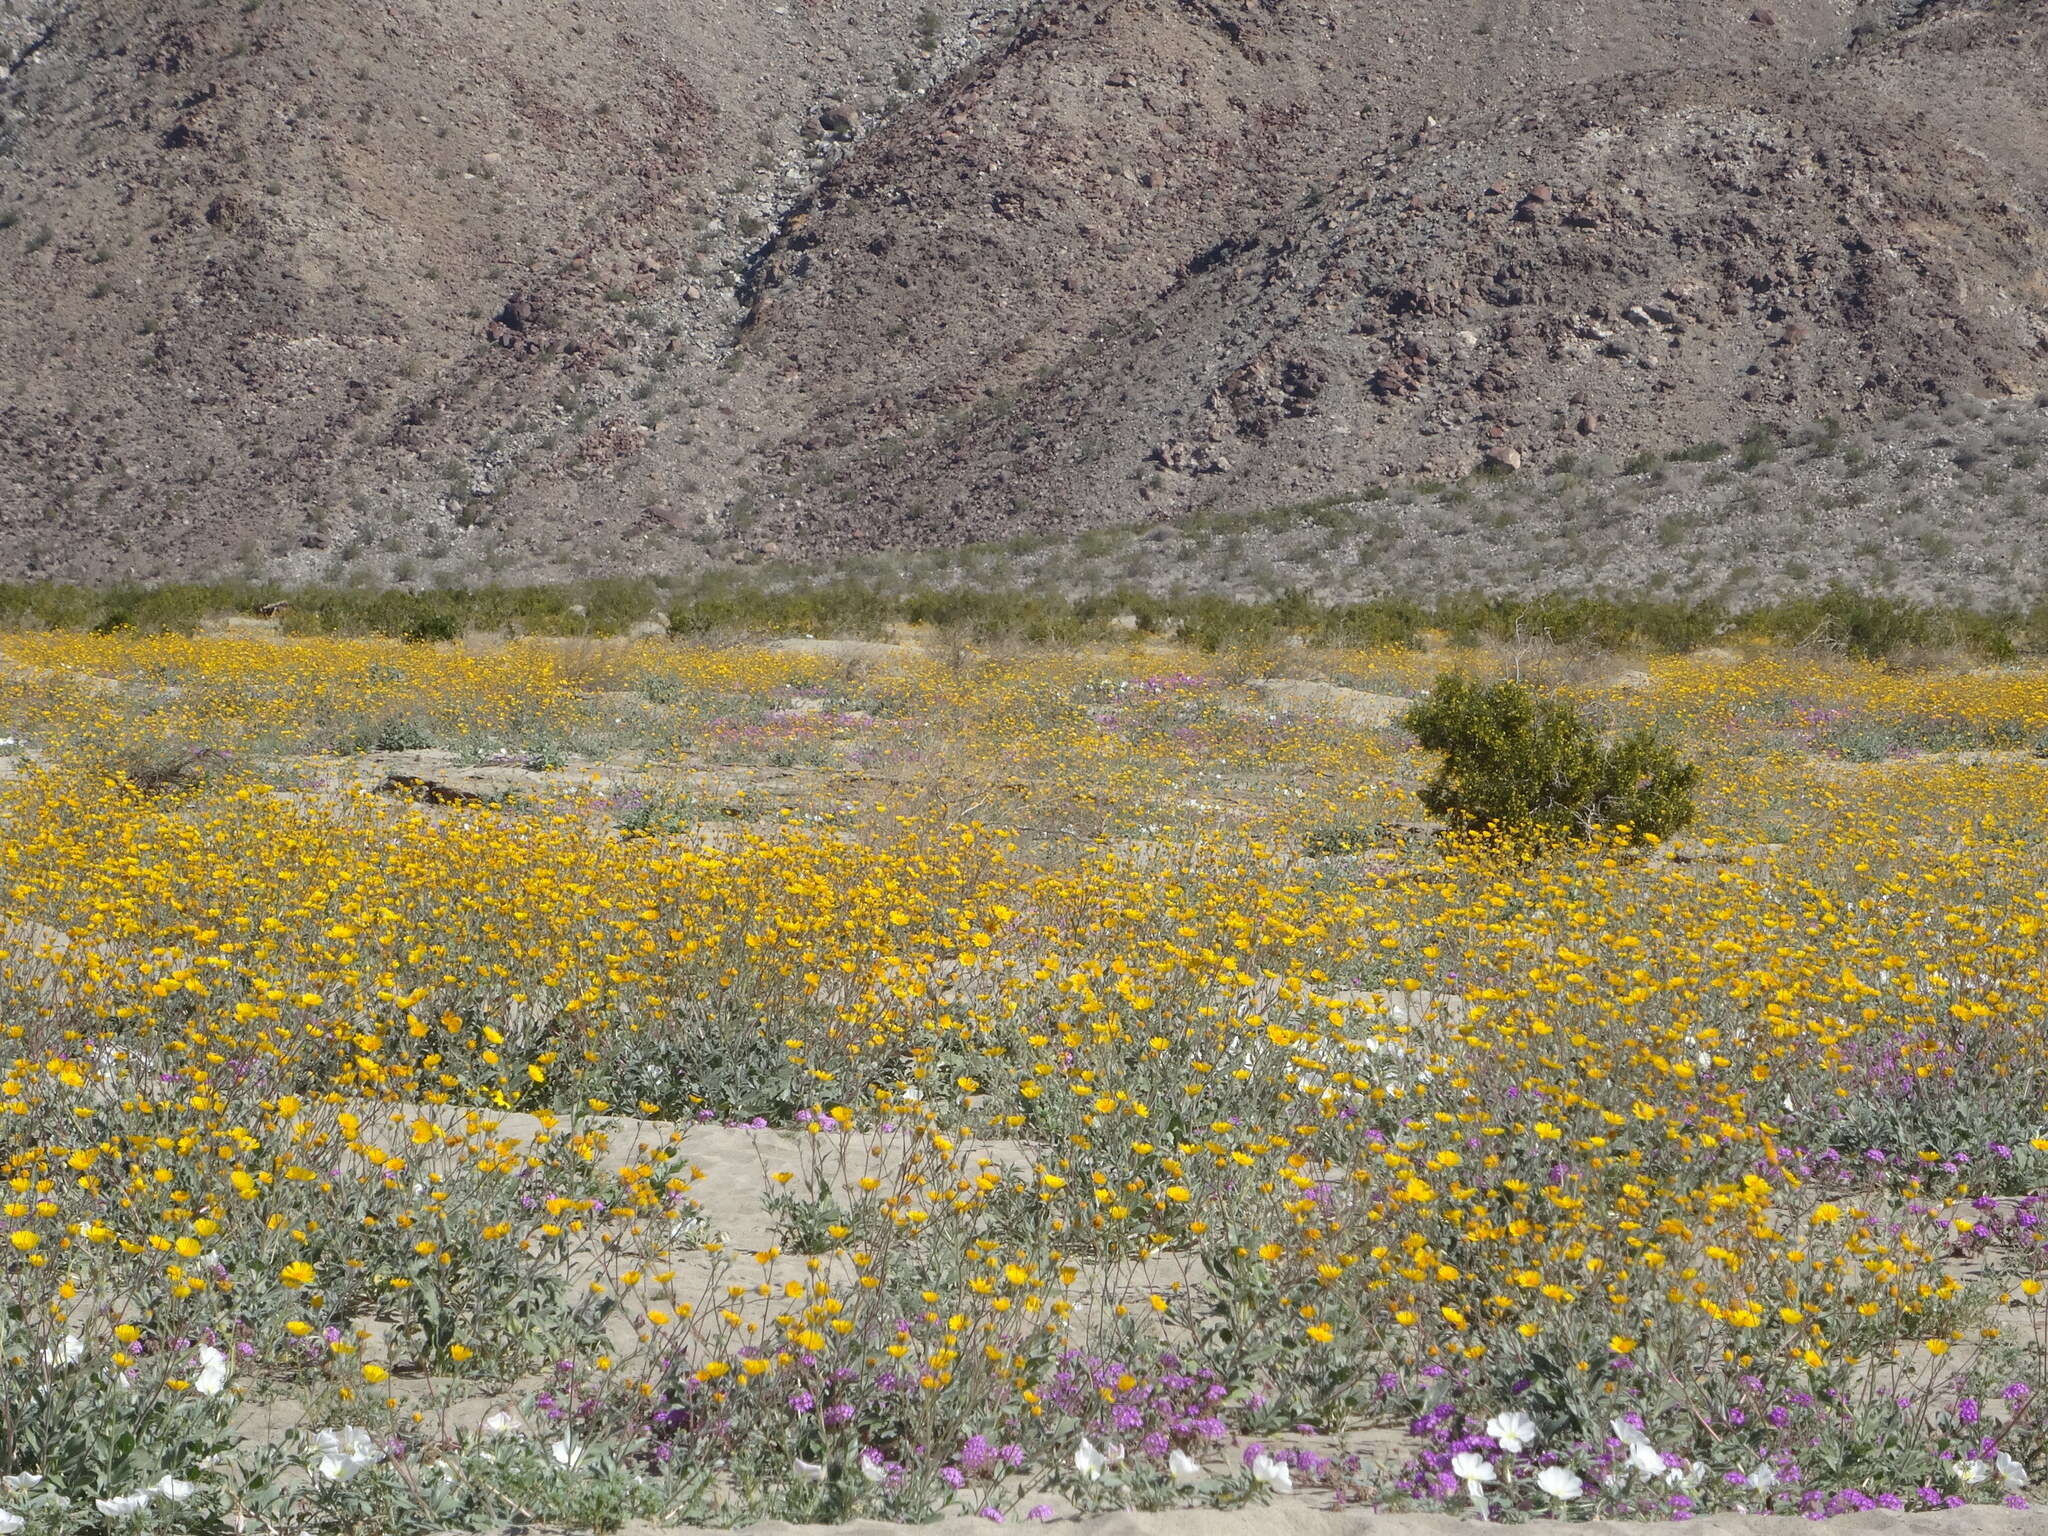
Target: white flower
[
  {"x": 1474, "y": 1471},
  {"x": 345, "y": 1452},
  {"x": 1185, "y": 1469},
  {"x": 1972, "y": 1472},
  {"x": 21, "y": 1482},
  {"x": 68, "y": 1350},
  {"x": 1764, "y": 1478},
  {"x": 1560, "y": 1482},
  {"x": 872, "y": 1469},
  {"x": 807, "y": 1471},
  {"x": 1276, "y": 1475},
  {"x": 1471, "y": 1467},
  {"x": 10, "y": 1522},
  {"x": 1644, "y": 1458},
  {"x": 1512, "y": 1431},
  {"x": 213, "y": 1372},
  {"x": 501, "y": 1421},
  {"x": 169, "y": 1487},
  {"x": 122, "y": 1505},
  {"x": 1628, "y": 1434},
  {"x": 567, "y": 1453},
  {"x": 2010, "y": 1472},
  {"x": 1088, "y": 1461}
]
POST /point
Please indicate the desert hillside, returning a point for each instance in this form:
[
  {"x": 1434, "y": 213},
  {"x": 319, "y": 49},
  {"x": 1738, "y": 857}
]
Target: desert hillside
[{"x": 524, "y": 289}]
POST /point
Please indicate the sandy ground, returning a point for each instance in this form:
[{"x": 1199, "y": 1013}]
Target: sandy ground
[{"x": 1281, "y": 1519}]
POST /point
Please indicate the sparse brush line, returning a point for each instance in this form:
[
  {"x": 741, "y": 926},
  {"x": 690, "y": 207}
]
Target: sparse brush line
[{"x": 738, "y": 609}]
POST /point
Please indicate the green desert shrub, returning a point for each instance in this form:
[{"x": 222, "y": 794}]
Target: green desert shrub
[
  {"x": 1519, "y": 762},
  {"x": 430, "y": 627}
]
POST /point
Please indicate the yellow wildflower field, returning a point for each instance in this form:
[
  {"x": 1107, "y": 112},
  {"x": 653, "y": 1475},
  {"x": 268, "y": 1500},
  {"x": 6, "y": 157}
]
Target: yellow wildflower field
[{"x": 450, "y": 1084}]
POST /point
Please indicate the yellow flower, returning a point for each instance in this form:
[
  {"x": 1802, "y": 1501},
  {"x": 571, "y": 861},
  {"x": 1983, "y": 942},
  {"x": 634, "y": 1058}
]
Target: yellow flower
[
  {"x": 296, "y": 1273},
  {"x": 1621, "y": 1345}
]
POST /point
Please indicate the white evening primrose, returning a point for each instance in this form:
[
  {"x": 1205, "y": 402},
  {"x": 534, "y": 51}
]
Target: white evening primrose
[
  {"x": 1512, "y": 1431},
  {"x": 1561, "y": 1483},
  {"x": 1273, "y": 1474}
]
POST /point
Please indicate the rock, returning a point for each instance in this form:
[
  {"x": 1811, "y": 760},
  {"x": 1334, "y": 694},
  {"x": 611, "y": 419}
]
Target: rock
[
  {"x": 839, "y": 119},
  {"x": 1189, "y": 459},
  {"x": 519, "y": 312},
  {"x": 1588, "y": 424},
  {"x": 1300, "y": 696},
  {"x": 1504, "y": 458},
  {"x": 411, "y": 786}
]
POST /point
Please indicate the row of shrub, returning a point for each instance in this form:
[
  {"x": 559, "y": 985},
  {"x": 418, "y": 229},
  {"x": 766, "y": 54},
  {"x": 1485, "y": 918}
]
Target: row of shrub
[{"x": 1872, "y": 627}]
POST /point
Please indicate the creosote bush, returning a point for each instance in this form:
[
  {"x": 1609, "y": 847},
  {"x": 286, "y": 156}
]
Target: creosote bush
[{"x": 1515, "y": 761}]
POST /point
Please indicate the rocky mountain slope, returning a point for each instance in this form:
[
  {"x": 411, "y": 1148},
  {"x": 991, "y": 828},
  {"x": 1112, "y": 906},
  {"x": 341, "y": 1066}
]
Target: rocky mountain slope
[
  {"x": 291, "y": 280},
  {"x": 521, "y": 288}
]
